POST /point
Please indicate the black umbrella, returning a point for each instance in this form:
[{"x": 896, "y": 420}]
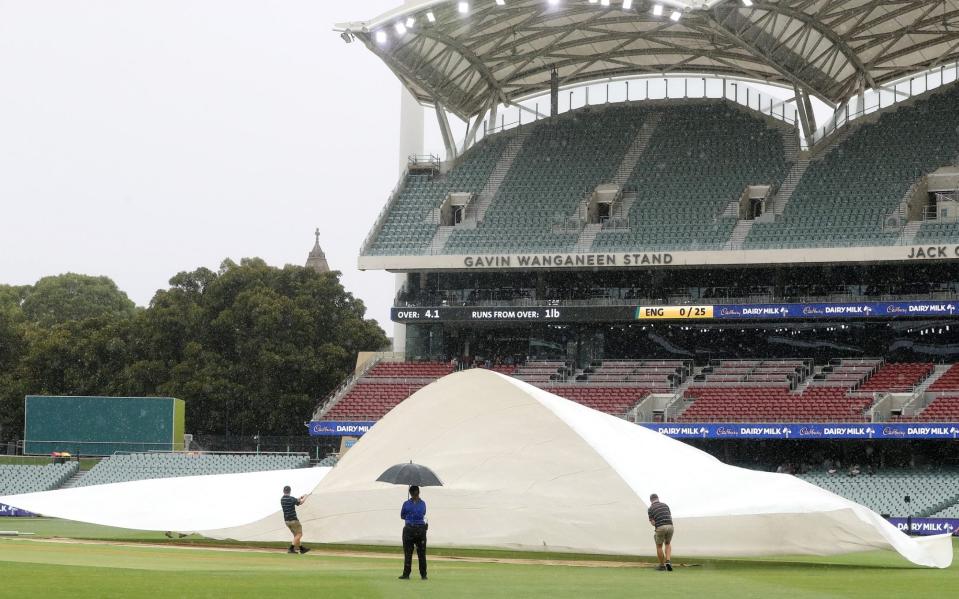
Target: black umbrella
[{"x": 410, "y": 474}]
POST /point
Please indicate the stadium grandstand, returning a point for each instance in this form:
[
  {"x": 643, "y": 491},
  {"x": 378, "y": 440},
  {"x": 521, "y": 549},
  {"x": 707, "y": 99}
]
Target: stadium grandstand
[
  {"x": 637, "y": 208},
  {"x": 643, "y": 216}
]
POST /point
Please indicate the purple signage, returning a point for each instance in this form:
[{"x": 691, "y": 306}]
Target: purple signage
[
  {"x": 10, "y": 511},
  {"x": 817, "y": 430},
  {"x": 339, "y": 428},
  {"x": 928, "y": 526}
]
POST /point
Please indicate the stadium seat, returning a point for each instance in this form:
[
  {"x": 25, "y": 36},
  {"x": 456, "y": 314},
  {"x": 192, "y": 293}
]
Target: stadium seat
[
  {"x": 16, "y": 479},
  {"x": 140, "y": 466}
]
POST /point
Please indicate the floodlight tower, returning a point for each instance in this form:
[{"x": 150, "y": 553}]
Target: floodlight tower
[{"x": 411, "y": 144}]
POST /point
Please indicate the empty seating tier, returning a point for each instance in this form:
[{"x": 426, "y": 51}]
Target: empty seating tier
[
  {"x": 846, "y": 373},
  {"x": 370, "y": 400},
  {"x": 729, "y": 391},
  {"x": 884, "y": 491},
  {"x": 142, "y": 466},
  {"x": 844, "y": 198},
  {"x": 773, "y": 404},
  {"x": 754, "y": 373},
  {"x": 655, "y": 375},
  {"x": 410, "y": 370},
  {"x": 612, "y": 400},
  {"x": 408, "y": 226},
  {"x": 17, "y": 479},
  {"x": 948, "y": 381},
  {"x": 944, "y": 408},
  {"x": 562, "y": 160},
  {"x": 700, "y": 159},
  {"x": 897, "y": 378}
]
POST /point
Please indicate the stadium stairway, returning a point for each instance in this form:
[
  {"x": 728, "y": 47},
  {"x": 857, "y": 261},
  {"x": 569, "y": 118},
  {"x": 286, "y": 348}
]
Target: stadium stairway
[
  {"x": 785, "y": 192},
  {"x": 485, "y": 197},
  {"x": 636, "y": 149},
  {"x": 74, "y": 480},
  {"x": 587, "y": 236},
  {"x": 738, "y": 236}
]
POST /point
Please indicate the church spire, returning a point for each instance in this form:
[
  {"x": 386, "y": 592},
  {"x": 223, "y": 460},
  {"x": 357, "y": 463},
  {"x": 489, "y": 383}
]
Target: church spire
[{"x": 317, "y": 259}]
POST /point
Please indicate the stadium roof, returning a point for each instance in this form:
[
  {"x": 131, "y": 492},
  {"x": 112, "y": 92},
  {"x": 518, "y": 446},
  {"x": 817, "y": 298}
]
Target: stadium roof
[{"x": 467, "y": 54}]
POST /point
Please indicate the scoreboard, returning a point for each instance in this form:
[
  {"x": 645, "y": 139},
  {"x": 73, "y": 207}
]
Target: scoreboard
[
  {"x": 673, "y": 312},
  {"x": 627, "y": 313}
]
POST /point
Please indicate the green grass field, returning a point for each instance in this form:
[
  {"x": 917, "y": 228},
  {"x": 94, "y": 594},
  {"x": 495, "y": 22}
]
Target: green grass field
[{"x": 104, "y": 562}]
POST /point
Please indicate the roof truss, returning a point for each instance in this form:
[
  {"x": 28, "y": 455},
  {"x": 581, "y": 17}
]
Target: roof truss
[{"x": 829, "y": 49}]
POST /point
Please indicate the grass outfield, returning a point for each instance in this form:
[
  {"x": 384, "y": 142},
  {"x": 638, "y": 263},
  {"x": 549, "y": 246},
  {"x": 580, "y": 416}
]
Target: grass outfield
[{"x": 132, "y": 564}]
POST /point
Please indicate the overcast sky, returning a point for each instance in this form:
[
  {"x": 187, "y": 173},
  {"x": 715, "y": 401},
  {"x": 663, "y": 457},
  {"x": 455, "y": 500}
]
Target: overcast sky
[{"x": 142, "y": 138}]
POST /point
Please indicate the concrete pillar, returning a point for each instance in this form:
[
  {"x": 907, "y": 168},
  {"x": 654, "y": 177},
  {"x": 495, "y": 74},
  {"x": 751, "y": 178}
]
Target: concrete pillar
[
  {"x": 399, "y": 330},
  {"x": 411, "y": 127},
  {"x": 554, "y": 93}
]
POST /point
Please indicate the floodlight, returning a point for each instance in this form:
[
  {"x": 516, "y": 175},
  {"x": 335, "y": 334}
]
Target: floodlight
[
  {"x": 400, "y": 29},
  {"x": 410, "y": 21},
  {"x": 627, "y": 4},
  {"x": 676, "y": 15},
  {"x": 554, "y": 2},
  {"x": 500, "y": 2},
  {"x": 747, "y": 2},
  {"x": 431, "y": 17},
  {"x": 658, "y": 10},
  {"x": 593, "y": 1},
  {"x": 604, "y": 2},
  {"x": 464, "y": 7},
  {"x": 381, "y": 37}
]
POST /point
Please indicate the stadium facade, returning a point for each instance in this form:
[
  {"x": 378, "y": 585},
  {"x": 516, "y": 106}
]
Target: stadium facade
[
  {"x": 642, "y": 214},
  {"x": 675, "y": 228}
]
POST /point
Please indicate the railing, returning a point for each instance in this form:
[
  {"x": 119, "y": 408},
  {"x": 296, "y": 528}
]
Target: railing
[
  {"x": 934, "y": 213},
  {"x": 424, "y": 161},
  {"x": 90, "y": 448},
  {"x": 675, "y": 407},
  {"x": 202, "y": 452},
  {"x": 568, "y": 224},
  {"x": 645, "y": 89}
]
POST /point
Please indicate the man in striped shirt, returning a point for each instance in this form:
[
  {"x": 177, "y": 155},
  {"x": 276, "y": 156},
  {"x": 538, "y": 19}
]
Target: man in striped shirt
[
  {"x": 288, "y": 503},
  {"x": 662, "y": 520}
]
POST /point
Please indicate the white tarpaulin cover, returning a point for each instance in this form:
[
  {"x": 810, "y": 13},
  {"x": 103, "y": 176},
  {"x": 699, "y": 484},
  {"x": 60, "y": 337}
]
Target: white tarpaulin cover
[
  {"x": 525, "y": 469},
  {"x": 184, "y": 504}
]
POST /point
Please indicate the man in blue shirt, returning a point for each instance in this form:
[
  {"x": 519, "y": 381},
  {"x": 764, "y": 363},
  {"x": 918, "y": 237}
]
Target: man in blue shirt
[{"x": 414, "y": 533}]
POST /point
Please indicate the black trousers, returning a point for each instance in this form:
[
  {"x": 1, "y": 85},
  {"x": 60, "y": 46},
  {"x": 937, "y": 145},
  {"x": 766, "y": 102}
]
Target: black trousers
[{"x": 414, "y": 536}]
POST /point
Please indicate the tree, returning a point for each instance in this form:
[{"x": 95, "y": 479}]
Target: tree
[
  {"x": 262, "y": 344},
  {"x": 71, "y": 297},
  {"x": 251, "y": 348}
]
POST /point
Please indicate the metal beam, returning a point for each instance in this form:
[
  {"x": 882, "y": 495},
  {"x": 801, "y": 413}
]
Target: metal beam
[
  {"x": 474, "y": 128},
  {"x": 802, "y": 106},
  {"x": 445, "y": 131}
]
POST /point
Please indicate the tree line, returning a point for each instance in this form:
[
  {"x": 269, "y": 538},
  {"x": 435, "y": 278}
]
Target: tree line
[{"x": 250, "y": 347}]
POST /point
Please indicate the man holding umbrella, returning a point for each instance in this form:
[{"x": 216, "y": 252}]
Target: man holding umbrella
[{"x": 413, "y": 513}]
